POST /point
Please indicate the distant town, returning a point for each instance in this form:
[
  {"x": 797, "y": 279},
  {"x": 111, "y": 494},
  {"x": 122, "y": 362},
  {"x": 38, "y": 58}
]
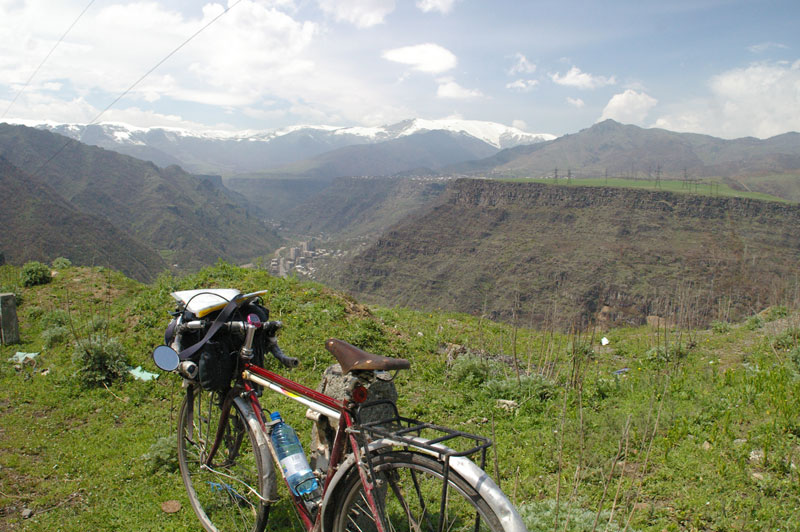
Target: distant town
[{"x": 300, "y": 259}]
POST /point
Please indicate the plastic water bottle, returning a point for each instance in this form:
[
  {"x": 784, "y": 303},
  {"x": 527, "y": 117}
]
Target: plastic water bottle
[{"x": 293, "y": 461}]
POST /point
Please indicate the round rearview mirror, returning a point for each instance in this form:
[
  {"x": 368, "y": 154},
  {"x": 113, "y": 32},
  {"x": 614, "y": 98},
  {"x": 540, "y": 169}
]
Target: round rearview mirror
[{"x": 165, "y": 358}]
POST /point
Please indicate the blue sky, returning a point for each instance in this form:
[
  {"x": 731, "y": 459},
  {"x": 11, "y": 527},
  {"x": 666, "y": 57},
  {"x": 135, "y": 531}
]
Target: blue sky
[{"x": 725, "y": 68}]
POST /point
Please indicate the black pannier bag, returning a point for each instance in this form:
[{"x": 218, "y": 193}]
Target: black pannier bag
[
  {"x": 217, "y": 358},
  {"x": 216, "y": 365}
]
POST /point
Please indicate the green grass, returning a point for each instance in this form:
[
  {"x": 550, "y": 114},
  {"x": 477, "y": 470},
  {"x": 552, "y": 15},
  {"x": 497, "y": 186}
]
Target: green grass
[
  {"x": 703, "y": 188},
  {"x": 713, "y": 438}
]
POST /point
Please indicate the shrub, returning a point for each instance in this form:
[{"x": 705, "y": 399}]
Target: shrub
[
  {"x": 754, "y": 322},
  {"x": 54, "y": 335},
  {"x": 62, "y": 263},
  {"x": 100, "y": 360},
  {"x": 35, "y": 273},
  {"x": 539, "y": 516},
  {"x": 163, "y": 454},
  {"x": 55, "y": 318},
  {"x": 720, "y": 327},
  {"x": 471, "y": 370},
  {"x": 788, "y": 339},
  {"x": 777, "y": 312},
  {"x": 529, "y": 386}
]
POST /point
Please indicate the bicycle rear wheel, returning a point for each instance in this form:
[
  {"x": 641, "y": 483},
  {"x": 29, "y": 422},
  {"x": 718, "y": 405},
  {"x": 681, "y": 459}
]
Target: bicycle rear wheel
[
  {"x": 230, "y": 493},
  {"x": 409, "y": 485}
]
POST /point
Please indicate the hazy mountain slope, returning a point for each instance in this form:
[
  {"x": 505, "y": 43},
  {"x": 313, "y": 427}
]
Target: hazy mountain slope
[
  {"x": 191, "y": 219},
  {"x": 626, "y": 150},
  {"x": 580, "y": 249},
  {"x": 38, "y": 224},
  {"x": 426, "y": 151},
  {"x": 358, "y": 207}
]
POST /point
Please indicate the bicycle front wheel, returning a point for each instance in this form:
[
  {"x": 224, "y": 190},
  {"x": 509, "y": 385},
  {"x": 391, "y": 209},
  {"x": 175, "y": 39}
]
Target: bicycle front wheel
[
  {"x": 409, "y": 486},
  {"x": 230, "y": 492}
]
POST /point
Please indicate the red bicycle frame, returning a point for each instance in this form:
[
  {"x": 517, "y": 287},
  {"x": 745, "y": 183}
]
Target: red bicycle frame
[{"x": 327, "y": 406}]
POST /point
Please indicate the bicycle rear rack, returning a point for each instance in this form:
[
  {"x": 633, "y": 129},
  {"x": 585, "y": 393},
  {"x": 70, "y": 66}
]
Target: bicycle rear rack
[{"x": 400, "y": 429}]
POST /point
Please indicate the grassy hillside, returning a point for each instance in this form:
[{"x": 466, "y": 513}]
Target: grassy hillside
[{"x": 672, "y": 429}]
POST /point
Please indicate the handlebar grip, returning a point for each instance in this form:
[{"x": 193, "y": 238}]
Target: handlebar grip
[{"x": 289, "y": 362}]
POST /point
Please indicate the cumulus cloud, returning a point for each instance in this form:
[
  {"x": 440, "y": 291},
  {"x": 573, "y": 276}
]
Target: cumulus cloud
[
  {"x": 361, "y": 13},
  {"x": 521, "y": 65},
  {"x": 629, "y": 107},
  {"x": 259, "y": 53},
  {"x": 450, "y": 89},
  {"x": 575, "y": 102},
  {"x": 761, "y": 99},
  {"x": 582, "y": 80},
  {"x": 427, "y": 57},
  {"x": 522, "y": 85},
  {"x": 443, "y": 6}
]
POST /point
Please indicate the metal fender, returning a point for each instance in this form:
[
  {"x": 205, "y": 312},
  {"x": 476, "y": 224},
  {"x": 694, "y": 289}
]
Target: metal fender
[{"x": 466, "y": 469}]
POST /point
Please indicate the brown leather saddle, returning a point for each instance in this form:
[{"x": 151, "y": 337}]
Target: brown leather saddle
[{"x": 352, "y": 358}]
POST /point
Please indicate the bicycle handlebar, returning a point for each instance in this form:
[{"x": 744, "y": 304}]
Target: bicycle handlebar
[{"x": 270, "y": 329}]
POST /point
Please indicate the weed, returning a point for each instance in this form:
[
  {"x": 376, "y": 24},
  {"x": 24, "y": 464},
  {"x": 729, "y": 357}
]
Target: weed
[
  {"x": 100, "y": 360},
  {"x": 55, "y": 335},
  {"x": 777, "y": 312},
  {"x": 54, "y": 318},
  {"x": 788, "y": 339},
  {"x": 528, "y": 387},
  {"x": 35, "y": 273},
  {"x": 162, "y": 455},
  {"x": 754, "y": 323},
  {"x": 720, "y": 327},
  {"x": 540, "y": 516},
  {"x": 471, "y": 370}
]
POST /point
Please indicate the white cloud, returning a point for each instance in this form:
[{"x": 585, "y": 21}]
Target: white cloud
[
  {"x": 629, "y": 107},
  {"x": 427, "y": 57},
  {"x": 760, "y": 48},
  {"x": 582, "y": 80},
  {"x": 519, "y": 124},
  {"x": 443, "y": 6},
  {"x": 575, "y": 102},
  {"x": 450, "y": 89},
  {"x": 361, "y": 13},
  {"x": 522, "y": 65},
  {"x": 522, "y": 85},
  {"x": 761, "y": 100}
]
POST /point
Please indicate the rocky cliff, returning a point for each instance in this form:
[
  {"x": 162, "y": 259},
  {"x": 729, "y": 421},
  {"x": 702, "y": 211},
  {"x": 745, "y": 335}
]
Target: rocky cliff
[{"x": 579, "y": 254}]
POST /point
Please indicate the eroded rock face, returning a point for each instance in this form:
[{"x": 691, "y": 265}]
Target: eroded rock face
[
  {"x": 339, "y": 386},
  {"x": 585, "y": 254}
]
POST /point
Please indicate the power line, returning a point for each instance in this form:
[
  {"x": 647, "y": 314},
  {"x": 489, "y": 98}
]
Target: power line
[
  {"x": 46, "y": 58},
  {"x": 126, "y": 91},
  {"x": 184, "y": 43}
]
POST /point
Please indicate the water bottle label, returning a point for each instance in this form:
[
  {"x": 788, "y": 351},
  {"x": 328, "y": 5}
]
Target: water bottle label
[{"x": 293, "y": 464}]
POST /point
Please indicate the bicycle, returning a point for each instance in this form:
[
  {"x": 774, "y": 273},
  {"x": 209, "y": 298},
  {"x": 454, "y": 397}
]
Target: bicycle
[{"x": 382, "y": 475}]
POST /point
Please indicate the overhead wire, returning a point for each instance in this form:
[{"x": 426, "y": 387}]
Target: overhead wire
[
  {"x": 135, "y": 83},
  {"x": 25, "y": 86}
]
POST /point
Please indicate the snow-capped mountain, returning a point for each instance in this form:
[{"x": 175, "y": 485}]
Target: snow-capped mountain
[{"x": 223, "y": 152}]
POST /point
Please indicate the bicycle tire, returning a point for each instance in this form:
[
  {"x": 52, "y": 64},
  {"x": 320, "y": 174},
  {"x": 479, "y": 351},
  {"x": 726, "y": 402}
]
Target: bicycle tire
[
  {"x": 232, "y": 492},
  {"x": 410, "y": 487}
]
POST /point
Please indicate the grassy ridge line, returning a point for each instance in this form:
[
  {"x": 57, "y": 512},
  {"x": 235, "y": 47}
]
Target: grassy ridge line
[
  {"x": 705, "y": 188},
  {"x": 723, "y": 455}
]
